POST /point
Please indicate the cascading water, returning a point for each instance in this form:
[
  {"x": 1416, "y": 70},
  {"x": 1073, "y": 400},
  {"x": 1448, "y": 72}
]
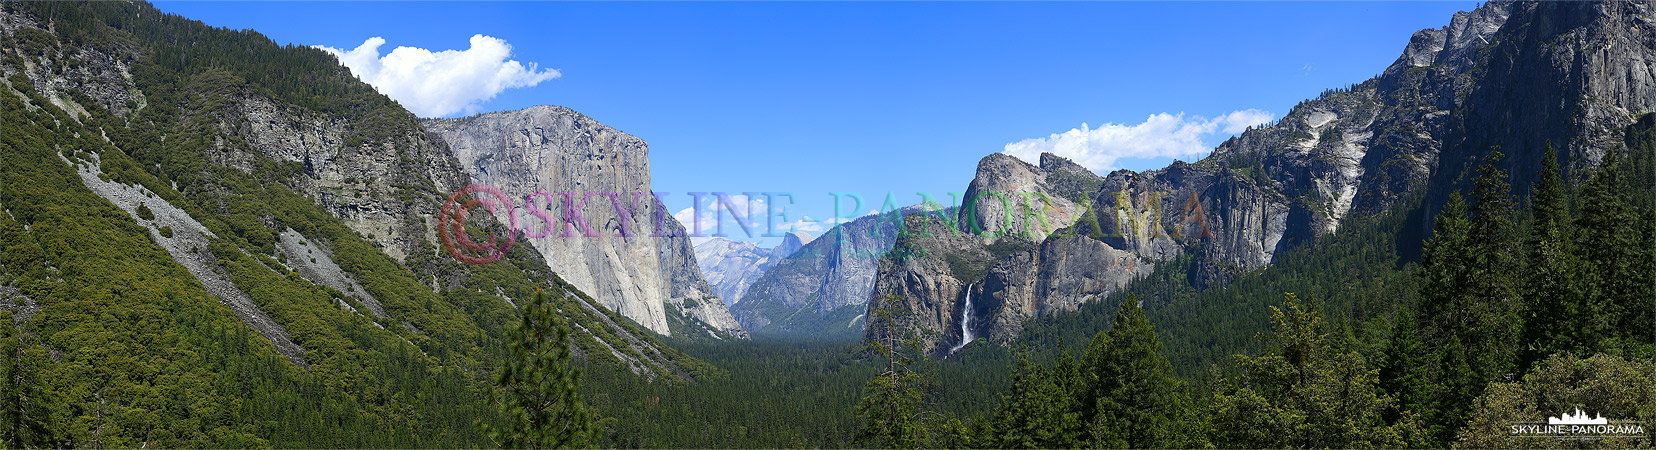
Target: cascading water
[{"x": 965, "y": 322}]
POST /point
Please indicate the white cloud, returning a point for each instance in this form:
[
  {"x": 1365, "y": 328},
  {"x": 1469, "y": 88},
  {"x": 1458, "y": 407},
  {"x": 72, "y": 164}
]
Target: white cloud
[
  {"x": 709, "y": 218},
  {"x": 436, "y": 84},
  {"x": 814, "y": 226},
  {"x": 1161, "y": 135}
]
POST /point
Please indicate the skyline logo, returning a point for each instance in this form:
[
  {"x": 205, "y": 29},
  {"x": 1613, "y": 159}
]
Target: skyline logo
[
  {"x": 1578, "y": 426},
  {"x": 1580, "y": 418}
]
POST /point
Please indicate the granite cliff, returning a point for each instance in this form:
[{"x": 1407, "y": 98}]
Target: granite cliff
[
  {"x": 640, "y": 262},
  {"x": 1509, "y": 76}
]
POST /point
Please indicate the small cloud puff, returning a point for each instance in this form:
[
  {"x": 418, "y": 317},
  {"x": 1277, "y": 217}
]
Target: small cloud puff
[
  {"x": 436, "y": 84},
  {"x": 1161, "y": 135}
]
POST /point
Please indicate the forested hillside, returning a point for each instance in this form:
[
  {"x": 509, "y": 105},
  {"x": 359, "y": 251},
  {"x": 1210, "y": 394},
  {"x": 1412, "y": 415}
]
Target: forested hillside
[
  {"x": 211, "y": 240},
  {"x": 161, "y": 263}
]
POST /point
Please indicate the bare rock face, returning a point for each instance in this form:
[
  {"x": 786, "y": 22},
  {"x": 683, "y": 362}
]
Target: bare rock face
[
  {"x": 1508, "y": 75},
  {"x": 1010, "y": 198},
  {"x": 918, "y": 293},
  {"x": 625, "y": 249},
  {"x": 1063, "y": 273},
  {"x": 730, "y": 266}
]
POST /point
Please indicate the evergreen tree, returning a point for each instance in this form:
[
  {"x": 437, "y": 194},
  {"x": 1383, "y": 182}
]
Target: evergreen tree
[
  {"x": 891, "y": 407},
  {"x": 1492, "y": 282},
  {"x": 1444, "y": 268},
  {"x": 1612, "y": 246},
  {"x": 1036, "y": 412},
  {"x": 1304, "y": 393},
  {"x": 538, "y": 385},
  {"x": 1132, "y": 399},
  {"x": 25, "y": 412},
  {"x": 1557, "y": 318},
  {"x": 1457, "y": 386},
  {"x": 1404, "y": 372}
]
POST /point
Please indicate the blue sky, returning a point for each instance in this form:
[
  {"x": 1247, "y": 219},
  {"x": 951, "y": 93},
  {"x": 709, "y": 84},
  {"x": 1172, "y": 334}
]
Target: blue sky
[{"x": 870, "y": 97}]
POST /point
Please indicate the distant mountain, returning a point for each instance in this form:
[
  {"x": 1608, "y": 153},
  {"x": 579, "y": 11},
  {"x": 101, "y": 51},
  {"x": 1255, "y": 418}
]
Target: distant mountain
[
  {"x": 1508, "y": 75},
  {"x": 649, "y": 274},
  {"x": 821, "y": 290},
  {"x": 731, "y": 266}
]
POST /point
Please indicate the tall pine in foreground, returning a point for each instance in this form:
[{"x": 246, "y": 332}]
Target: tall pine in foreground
[
  {"x": 537, "y": 387},
  {"x": 1405, "y": 372},
  {"x": 1557, "y": 317},
  {"x": 1613, "y": 248},
  {"x": 891, "y": 407},
  {"x": 1038, "y": 410},
  {"x": 1306, "y": 392},
  {"x": 1492, "y": 282},
  {"x": 1131, "y": 399}
]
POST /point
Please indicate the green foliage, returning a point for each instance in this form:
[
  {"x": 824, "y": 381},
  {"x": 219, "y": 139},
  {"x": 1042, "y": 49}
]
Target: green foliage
[
  {"x": 28, "y": 415},
  {"x": 1557, "y": 316},
  {"x": 537, "y": 386},
  {"x": 1405, "y": 372},
  {"x": 147, "y": 357},
  {"x": 892, "y": 409},
  {"x": 1306, "y": 392},
  {"x": 1039, "y": 410},
  {"x": 1618, "y": 389},
  {"x": 1614, "y": 232},
  {"x": 1131, "y": 399}
]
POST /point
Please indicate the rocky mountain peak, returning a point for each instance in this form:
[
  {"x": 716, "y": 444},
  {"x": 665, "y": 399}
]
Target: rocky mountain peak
[{"x": 639, "y": 263}]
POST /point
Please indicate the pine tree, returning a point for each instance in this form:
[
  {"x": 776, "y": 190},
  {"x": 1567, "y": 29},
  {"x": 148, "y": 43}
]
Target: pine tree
[
  {"x": 1492, "y": 282},
  {"x": 1036, "y": 412},
  {"x": 1304, "y": 393},
  {"x": 1404, "y": 372},
  {"x": 892, "y": 406},
  {"x": 537, "y": 388},
  {"x": 25, "y": 412},
  {"x": 1457, "y": 387},
  {"x": 1557, "y": 317},
  {"x": 1444, "y": 267},
  {"x": 1132, "y": 399},
  {"x": 1612, "y": 248}
]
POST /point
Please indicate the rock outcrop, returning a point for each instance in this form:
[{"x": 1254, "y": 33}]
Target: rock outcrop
[
  {"x": 364, "y": 161},
  {"x": 609, "y": 235},
  {"x": 821, "y": 290},
  {"x": 1508, "y": 75}
]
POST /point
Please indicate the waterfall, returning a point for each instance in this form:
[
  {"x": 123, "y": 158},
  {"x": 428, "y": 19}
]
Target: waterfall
[{"x": 965, "y": 322}]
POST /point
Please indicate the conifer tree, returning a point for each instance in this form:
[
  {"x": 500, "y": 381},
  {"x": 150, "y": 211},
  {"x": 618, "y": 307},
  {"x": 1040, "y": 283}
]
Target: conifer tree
[
  {"x": 25, "y": 412},
  {"x": 1404, "y": 372},
  {"x": 1303, "y": 393},
  {"x": 1492, "y": 282},
  {"x": 1036, "y": 412},
  {"x": 1557, "y": 317},
  {"x": 537, "y": 388},
  {"x": 1131, "y": 399},
  {"x": 1457, "y": 386},
  {"x": 892, "y": 406},
  {"x": 1612, "y": 248}
]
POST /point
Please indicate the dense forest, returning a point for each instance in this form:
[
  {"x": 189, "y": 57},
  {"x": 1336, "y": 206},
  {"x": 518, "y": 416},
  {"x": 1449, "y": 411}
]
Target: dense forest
[{"x": 1404, "y": 329}]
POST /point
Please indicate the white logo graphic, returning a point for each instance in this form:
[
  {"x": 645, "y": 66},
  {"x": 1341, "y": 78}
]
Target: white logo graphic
[{"x": 1580, "y": 418}]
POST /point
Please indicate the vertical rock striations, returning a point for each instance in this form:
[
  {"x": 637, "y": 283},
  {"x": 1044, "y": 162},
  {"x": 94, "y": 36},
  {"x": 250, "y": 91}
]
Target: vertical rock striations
[{"x": 624, "y": 247}]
